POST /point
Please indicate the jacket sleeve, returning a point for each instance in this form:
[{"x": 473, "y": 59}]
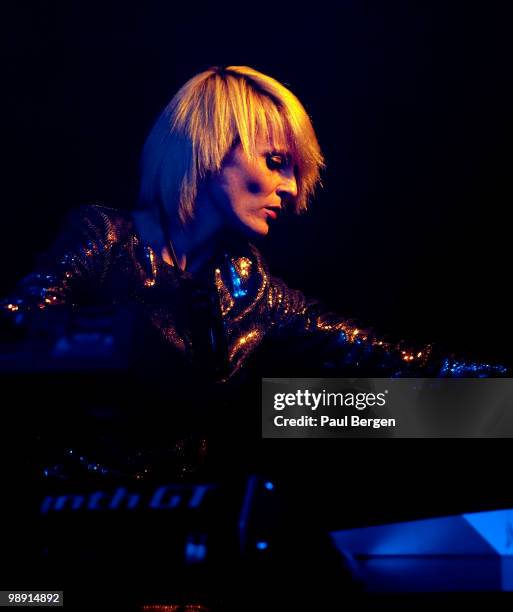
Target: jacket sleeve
[
  {"x": 68, "y": 272},
  {"x": 343, "y": 348}
]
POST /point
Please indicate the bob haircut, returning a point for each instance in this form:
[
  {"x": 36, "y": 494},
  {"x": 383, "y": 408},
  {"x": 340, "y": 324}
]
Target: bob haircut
[{"x": 212, "y": 112}]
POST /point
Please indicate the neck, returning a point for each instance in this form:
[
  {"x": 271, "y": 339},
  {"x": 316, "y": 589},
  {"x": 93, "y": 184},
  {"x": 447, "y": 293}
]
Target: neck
[{"x": 194, "y": 244}]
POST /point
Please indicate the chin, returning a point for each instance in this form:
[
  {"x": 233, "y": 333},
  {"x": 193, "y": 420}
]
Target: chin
[
  {"x": 261, "y": 231},
  {"x": 254, "y": 230}
]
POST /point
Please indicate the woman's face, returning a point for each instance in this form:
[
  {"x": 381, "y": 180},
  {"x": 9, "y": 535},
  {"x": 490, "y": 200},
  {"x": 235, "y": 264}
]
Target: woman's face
[{"x": 251, "y": 192}]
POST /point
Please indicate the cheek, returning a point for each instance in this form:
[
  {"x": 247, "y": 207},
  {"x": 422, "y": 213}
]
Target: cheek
[
  {"x": 259, "y": 183},
  {"x": 253, "y": 187},
  {"x": 241, "y": 185}
]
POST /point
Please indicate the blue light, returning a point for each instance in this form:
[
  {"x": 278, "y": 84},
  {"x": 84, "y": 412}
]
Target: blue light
[
  {"x": 459, "y": 369},
  {"x": 269, "y": 485},
  {"x": 342, "y": 337},
  {"x": 238, "y": 290},
  {"x": 262, "y": 545},
  {"x": 468, "y": 552},
  {"x": 496, "y": 527},
  {"x": 195, "y": 553}
]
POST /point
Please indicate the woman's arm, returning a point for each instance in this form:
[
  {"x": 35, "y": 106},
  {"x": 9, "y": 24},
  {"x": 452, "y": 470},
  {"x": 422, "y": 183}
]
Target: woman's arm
[
  {"x": 341, "y": 347},
  {"x": 70, "y": 271}
]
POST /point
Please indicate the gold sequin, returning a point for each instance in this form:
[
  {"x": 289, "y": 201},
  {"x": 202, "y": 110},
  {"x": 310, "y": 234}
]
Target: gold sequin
[
  {"x": 252, "y": 303},
  {"x": 150, "y": 281},
  {"x": 243, "y": 266}
]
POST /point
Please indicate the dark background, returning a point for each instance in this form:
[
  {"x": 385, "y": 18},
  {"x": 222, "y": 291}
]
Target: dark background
[{"x": 411, "y": 102}]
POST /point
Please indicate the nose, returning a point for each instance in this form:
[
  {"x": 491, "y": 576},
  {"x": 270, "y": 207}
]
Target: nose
[{"x": 287, "y": 188}]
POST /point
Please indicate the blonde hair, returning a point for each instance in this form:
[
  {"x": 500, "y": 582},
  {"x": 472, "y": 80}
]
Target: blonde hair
[{"x": 209, "y": 114}]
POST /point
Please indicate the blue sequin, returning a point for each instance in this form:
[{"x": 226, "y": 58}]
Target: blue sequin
[
  {"x": 458, "y": 369},
  {"x": 238, "y": 291}
]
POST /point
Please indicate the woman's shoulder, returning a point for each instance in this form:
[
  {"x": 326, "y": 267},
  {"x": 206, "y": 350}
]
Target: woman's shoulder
[
  {"x": 101, "y": 222},
  {"x": 99, "y": 213}
]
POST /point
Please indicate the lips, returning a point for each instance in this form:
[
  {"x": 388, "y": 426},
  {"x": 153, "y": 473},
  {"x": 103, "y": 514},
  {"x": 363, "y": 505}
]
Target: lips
[{"x": 272, "y": 211}]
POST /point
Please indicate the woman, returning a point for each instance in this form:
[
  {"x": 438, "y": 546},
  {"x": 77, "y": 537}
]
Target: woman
[{"x": 232, "y": 150}]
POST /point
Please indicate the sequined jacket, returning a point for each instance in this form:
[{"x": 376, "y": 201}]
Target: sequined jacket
[
  {"x": 204, "y": 332},
  {"x": 218, "y": 320}
]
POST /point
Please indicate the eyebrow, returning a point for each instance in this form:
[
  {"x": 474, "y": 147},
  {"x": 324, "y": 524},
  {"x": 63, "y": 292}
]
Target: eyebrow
[
  {"x": 274, "y": 149},
  {"x": 279, "y": 151}
]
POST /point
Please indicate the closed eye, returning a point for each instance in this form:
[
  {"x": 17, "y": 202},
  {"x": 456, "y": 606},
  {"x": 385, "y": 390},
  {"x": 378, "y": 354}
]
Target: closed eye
[{"x": 277, "y": 161}]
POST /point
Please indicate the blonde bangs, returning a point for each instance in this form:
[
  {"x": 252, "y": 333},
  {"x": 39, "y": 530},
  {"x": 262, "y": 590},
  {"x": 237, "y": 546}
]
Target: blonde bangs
[{"x": 209, "y": 114}]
